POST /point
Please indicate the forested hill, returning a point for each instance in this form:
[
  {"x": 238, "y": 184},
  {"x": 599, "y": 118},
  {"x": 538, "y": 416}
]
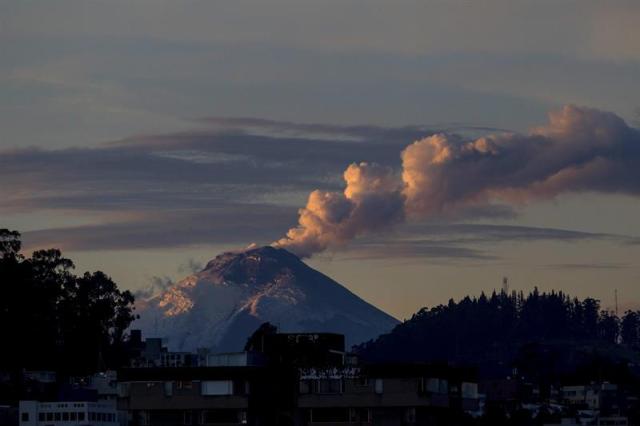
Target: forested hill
[{"x": 506, "y": 330}]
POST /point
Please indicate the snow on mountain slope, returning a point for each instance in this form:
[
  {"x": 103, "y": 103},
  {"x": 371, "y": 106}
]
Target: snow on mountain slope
[{"x": 223, "y": 304}]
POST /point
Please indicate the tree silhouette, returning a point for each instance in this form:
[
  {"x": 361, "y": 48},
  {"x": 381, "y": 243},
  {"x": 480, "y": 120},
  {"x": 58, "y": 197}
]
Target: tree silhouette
[
  {"x": 630, "y": 329},
  {"x": 54, "y": 319},
  {"x": 546, "y": 334}
]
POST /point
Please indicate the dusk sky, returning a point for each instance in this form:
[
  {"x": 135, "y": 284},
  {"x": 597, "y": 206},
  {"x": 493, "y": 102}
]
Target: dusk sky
[{"x": 500, "y": 140}]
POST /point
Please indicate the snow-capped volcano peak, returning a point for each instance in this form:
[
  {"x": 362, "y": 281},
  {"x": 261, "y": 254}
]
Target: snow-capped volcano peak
[
  {"x": 254, "y": 265},
  {"x": 220, "y": 306}
]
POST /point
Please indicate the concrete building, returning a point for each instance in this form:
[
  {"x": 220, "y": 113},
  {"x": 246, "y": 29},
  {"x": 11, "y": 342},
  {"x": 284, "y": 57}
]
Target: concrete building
[
  {"x": 34, "y": 413},
  {"x": 152, "y": 352},
  {"x": 603, "y": 397},
  {"x": 384, "y": 395},
  {"x": 295, "y": 379},
  {"x": 205, "y": 395}
]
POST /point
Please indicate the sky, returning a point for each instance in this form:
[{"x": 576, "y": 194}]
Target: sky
[{"x": 143, "y": 138}]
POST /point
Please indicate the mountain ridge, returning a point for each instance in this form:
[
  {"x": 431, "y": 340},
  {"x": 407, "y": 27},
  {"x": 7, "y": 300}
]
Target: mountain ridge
[{"x": 220, "y": 306}]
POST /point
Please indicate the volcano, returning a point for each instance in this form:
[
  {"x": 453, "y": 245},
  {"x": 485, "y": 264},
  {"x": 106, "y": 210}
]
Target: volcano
[{"x": 219, "y": 307}]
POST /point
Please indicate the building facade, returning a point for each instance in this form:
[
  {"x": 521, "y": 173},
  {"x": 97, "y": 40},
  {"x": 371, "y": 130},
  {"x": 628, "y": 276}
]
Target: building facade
[{"x": 81, "y": 413}]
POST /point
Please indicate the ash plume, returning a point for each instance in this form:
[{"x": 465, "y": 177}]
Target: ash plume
[
  {"x": 579, "y": 150},
  {"x": 372, "y": 200}
]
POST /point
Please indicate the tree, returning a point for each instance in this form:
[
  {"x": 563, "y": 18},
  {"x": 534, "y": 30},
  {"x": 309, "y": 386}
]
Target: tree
[
  {"x": 10, "y": 244},
  {"x": 591, "y": 309},
  {"x": 497, "y": 332},
  {"x": 608, "y": 327},
  {"x": 630, "y": 329},
  {"x": 55, "y": 319},
  {"x": 95, "y": 315}
]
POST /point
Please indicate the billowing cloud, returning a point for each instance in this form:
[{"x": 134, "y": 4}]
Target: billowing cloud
[
  {"x": 372, "y": 200},
  {"x": 580, "y": 149}
]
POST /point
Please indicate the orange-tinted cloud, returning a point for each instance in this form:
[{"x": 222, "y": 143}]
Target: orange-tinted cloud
[{"x": 580, "y": 149}]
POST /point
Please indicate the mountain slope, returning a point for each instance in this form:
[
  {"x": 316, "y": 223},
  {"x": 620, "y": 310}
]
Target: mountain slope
[{"x": 223, "y": 304}]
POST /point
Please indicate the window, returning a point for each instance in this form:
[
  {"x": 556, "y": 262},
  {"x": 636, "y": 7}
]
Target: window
[
  {"x": 123, "y": 390},
  {"x": 24, "y": 417},
  {"x": 49, "y": 417},
  {"x": 168, "y": 388},
  {"x": 220, "y": 416},
  {"x": 305, "y": 387},
  {"x": 330, "y": 386},
  {"x": 240, "y": 387},
  {"x": 57, "y": 416},
  {"x": 379, "y": 385},
  {"x": 41, "y": 417},
  {"x": 184, "y": 385},
  {"x": 81, "y": 416},
  {"x": 65, "y": 416},
  {"x": 360, "y": 415},
  {"x": 362, "y": 381},
  {"x": 367, "y": 413},
  {"x": 74, "y": 416},
  {"x": 217, "y": 387},
  {"x": 329, "y": 415},
  {"x": 410, "y": 415}
]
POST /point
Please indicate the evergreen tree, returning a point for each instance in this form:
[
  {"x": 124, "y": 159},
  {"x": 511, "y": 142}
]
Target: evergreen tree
[{"x": 630, "y": 329}]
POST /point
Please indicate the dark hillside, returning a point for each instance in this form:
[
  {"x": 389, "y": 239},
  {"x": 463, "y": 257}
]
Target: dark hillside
[{"x": 542, "y": 334}]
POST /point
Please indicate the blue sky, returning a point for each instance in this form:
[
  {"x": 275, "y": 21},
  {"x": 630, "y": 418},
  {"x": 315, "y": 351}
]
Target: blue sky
[{"x": 126, "y": 139}]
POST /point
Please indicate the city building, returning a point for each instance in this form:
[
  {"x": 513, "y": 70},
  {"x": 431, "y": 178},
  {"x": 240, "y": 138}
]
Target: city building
[
  {"x": 152, "y": 352},
  {"x": 34, "y": 413},
  {"x": 295, "y": 379}
]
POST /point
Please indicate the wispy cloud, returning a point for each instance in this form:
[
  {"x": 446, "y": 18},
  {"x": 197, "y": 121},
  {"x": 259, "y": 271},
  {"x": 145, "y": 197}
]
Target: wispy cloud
[
  {"x": 587, "y": 266},
  {"x": 228, "y": 224},
  {"x": 459, "y": 242},
  {"x": 416, "y": 249},
  {"x": 234, "y": 181}
]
